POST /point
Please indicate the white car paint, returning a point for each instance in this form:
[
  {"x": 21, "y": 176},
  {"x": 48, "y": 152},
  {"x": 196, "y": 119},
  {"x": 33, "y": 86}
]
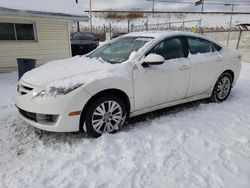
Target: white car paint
[
  {"x": 174, "y": 82},
  {"x": 159, "y": 83}
]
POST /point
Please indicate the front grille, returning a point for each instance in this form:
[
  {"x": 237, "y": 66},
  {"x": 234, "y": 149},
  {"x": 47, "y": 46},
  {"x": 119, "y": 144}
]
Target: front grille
[
  {"x": 27, "y": 88},
  {"x": 46, "y": 119},
  {"x": 23, "y": 90}
]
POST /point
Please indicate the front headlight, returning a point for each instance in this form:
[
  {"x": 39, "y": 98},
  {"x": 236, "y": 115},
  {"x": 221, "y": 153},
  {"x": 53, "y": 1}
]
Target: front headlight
[{"x": 54, "y": 91}]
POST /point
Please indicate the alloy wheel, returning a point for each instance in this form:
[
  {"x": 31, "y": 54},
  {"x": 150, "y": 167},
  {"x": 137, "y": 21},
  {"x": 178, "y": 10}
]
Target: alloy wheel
[
  {"x": 223, "y": 88},
  {"x": 107, "y": 117}
]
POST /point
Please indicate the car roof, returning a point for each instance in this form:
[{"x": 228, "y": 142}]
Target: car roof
[{"x": 82, "y": 33}]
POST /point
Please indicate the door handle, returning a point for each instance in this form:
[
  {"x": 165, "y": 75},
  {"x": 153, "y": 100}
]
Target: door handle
[
  {"x": 184, "y": 67},
  {"x": 218, "y": 59}
]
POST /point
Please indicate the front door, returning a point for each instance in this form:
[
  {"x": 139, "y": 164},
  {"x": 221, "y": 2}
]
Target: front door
[{"x": 159, "y": 84}]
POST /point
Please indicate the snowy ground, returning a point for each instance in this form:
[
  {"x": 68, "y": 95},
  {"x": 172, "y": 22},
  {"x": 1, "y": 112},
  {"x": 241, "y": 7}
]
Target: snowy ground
[{"x": 194, "y": 145}]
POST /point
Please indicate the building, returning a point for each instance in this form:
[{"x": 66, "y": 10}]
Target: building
[{"x": 37, "y": 29}]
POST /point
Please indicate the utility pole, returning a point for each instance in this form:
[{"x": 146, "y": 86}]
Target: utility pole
[
  {"x": 153, "y": 8},
  {"x": 128, "y": 25},
  {"x": 90, "y": 15},
  {"x": 77, "y": 23},
  {"x": 230, "y": 24},
  {"x": 202, "y": 6}
]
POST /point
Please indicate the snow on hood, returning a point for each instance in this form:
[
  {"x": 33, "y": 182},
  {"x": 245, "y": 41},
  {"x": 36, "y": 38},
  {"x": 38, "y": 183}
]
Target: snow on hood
[{"x": 66, "y": 73}]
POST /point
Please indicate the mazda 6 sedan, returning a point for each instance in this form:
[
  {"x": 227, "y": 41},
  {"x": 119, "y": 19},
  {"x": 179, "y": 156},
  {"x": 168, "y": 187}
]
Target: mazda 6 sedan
[{"x": 130, "y": 75}]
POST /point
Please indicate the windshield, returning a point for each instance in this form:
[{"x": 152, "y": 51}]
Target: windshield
[
  {"x": 120, "y": 49},
  {"x": 83, "y": 36}
]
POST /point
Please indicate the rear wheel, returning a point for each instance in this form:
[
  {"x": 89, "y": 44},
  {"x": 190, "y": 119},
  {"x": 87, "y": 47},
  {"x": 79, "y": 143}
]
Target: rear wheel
[
  {"x": 105, "y": 115},
  {"x": 222, "y": 88}
]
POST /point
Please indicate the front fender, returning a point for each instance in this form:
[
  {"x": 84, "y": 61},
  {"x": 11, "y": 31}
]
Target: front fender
[{"x": 124, "y": 84}]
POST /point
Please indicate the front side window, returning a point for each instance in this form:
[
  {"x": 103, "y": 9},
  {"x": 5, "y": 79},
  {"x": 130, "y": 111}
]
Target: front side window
[
  {"x": 169, "y": 48},
  {"x": 17, "y": 31},
  {"x": 120, "y": 49},
  {"x": 197, "y": 45}
]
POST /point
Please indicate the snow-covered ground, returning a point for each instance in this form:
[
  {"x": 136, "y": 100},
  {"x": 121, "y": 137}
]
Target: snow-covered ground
[{"x": 194, "y": 145}]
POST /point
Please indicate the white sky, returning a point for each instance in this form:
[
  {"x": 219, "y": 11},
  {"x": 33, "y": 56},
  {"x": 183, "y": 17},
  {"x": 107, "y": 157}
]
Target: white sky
[{"x": 159, "y": 6}]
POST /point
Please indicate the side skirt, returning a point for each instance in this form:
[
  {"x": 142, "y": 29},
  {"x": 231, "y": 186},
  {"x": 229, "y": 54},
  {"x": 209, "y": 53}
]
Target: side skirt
[{"x": 165, "y": 105}]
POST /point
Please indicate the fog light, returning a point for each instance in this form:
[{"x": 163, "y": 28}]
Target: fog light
[{"x": 46, "y": 119}]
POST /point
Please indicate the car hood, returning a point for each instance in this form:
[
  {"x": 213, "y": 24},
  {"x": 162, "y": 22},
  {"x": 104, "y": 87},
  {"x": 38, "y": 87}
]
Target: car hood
[{"x": 68, "y": 72}]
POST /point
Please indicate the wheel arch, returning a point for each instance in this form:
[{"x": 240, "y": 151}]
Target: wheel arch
[
  {"x": 230, "y": 72},
  {"x": 227, "y": 73},
  {"x": 112, "y": 91}
]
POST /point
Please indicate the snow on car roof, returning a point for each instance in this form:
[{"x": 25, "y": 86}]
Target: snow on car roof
[
  {"x": 69, "y": 7},
  {"x": 160, "y": 34},
  {"x": 154, "y": 34}
]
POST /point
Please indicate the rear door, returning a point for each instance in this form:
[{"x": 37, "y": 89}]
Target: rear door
[{"x": 206, "y": 64}]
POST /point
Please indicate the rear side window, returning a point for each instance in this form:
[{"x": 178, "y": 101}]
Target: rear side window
[
  {"x": 197, "y": 45},
  {"x": 169, "y": 48}
]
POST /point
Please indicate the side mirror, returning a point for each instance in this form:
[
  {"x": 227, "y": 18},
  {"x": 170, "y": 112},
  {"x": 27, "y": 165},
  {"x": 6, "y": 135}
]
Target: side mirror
[{"x": 153, "y": 59}]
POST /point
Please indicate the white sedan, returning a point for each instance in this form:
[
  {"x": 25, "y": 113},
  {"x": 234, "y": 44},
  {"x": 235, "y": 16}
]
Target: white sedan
[{"x": 130, "y": 75}]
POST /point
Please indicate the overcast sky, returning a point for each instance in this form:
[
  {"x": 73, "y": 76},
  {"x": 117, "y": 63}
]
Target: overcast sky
[{"x": 160, "y": 6}]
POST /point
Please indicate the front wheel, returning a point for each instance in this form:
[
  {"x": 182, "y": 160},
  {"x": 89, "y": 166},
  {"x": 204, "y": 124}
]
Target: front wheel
[
  {"x": 105, "y": 115},
  {"x": 222, "y": 88}
]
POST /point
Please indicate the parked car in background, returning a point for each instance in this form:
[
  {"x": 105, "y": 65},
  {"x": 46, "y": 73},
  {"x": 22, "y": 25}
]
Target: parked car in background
[
  {"x": 128, "y": 76},
  {"x": 83, "y": 43}
]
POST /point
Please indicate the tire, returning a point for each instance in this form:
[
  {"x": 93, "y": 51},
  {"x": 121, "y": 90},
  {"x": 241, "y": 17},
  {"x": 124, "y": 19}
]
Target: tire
[
  {"x": 107, "y": 114},
  {"x": 222, "y": 88}
]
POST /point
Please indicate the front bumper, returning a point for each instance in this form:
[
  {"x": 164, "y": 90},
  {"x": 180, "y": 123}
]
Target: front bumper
[{"x": 50, "y": 113}]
